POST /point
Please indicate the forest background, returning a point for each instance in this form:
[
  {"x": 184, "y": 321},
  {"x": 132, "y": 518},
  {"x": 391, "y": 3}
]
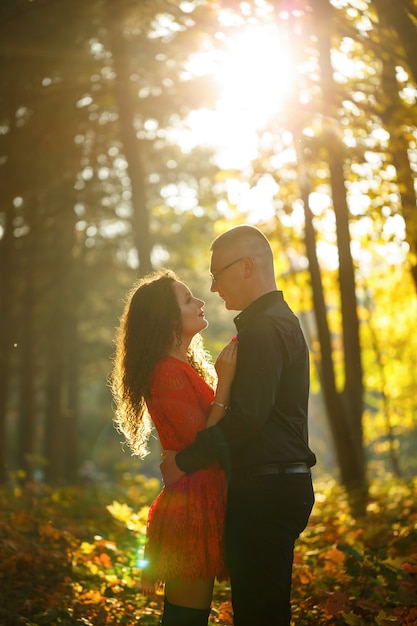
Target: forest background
[{"x": 131, "y": 134}]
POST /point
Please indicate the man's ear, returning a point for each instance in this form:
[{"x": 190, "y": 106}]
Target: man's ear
[{"x": 248, "y": 265}]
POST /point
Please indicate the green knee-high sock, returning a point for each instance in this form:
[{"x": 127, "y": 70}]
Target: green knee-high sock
[{"x": 175, "y": 615}]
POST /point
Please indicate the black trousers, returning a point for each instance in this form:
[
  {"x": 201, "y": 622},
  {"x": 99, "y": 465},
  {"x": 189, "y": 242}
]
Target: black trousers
[{"x": 265, "y": 515}]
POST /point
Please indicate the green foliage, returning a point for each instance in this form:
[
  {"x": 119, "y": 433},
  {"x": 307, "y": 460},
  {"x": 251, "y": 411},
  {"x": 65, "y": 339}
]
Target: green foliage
[{"x": 70, "y": 556}]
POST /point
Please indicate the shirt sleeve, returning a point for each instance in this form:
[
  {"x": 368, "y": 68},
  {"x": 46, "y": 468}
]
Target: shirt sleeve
[{"x": 261, "y": 356}]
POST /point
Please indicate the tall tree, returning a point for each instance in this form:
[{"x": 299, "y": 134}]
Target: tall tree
[
  {"x": 6, "y": 291},
  {"x": 126, "y": 101},
  {"x": 397, "y": 39},
  {"x": 351, "y": 400},
  {"x": 402, "y": 18}
]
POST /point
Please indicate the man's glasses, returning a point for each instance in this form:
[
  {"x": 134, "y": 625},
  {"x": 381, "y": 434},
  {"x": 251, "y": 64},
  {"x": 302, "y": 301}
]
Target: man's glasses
[{"x": 215, "y": 276}]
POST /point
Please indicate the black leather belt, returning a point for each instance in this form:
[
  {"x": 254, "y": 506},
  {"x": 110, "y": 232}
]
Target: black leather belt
[{"x": 269, "y": 469}]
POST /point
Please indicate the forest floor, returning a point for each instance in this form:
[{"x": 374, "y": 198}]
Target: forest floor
[{"x": 72, "y": 556}]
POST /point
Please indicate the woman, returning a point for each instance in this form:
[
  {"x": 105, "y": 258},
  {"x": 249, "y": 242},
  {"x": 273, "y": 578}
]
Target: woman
[{"x": 161, "y": 369}]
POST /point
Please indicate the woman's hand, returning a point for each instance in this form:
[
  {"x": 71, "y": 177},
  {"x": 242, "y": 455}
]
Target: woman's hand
[
  {"x": 225, "y": 367},
  {"x": 226, "y": 364}
]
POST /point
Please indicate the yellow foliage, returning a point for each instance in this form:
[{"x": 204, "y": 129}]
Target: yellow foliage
[
  {"x": 92, "y": 567},
  {"x": 87, "y": 548},
  {"x": 135, "y": 521}
]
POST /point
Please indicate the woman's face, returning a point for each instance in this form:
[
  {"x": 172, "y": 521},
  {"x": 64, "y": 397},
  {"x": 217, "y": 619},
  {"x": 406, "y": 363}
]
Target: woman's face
[{"x": 192, "y": 315}]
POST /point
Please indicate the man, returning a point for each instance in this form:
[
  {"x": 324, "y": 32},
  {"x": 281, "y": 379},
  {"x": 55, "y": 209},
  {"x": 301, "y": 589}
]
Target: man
[{"x": 262, "y": 441}]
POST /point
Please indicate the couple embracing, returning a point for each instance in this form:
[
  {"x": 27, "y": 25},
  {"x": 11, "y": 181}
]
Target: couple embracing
[{"x": 236, "y": 464}]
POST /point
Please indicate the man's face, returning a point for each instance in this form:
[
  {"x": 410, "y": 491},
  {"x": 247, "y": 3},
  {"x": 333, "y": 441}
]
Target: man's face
[{"x": 226, "y": 270}]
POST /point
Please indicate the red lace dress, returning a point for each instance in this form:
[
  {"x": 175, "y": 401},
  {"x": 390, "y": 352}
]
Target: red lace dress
[{"x": 186, "y": 520}]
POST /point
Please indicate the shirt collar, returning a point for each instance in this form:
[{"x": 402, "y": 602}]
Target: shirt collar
[{"x": 259, "y": 305}]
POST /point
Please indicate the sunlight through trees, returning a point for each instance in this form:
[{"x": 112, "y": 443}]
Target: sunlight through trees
[{"x": 131, "y": 134}]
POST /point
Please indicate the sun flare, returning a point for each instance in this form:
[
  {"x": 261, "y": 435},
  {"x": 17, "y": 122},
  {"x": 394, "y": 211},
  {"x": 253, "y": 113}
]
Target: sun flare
[
  {"x": 254, "y": 79},
  {"x": 256, "y": 74}
]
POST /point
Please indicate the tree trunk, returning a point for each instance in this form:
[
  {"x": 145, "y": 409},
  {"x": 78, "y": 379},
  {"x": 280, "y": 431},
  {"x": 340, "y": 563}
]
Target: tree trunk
[
  {"x": 6, "y": 325},
  {"x": 61, "y": 353},
  {"x": 53, "y": 439},
  {"x": 8, "y": 185},
  {"x": 72, "y": 412},
  {"x": 27, "y": 315},
  {"x": 352, "y": 461},
  {"x": 392, "y": 114},
  {"x": 325, "y": 368},
  {"x": 396, "y": 15},
  {"x": 132, "y": 148},
  {"x": 26, "y": 422}
]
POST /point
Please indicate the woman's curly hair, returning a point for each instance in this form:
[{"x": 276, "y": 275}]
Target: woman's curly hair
[{"x": 150, "y": 320}]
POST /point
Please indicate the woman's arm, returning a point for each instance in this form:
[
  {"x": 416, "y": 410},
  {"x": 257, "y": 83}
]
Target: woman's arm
[{"x": 225, "y": 367}]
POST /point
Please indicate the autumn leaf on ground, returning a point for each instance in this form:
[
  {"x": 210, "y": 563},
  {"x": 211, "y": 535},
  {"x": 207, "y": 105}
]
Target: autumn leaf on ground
[{"x": 336, "y": 602}]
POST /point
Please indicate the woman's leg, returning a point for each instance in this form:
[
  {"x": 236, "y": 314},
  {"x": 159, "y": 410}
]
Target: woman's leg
[
  {"x": 187, "y": 604},
  {"x": 196, "y": 594}
]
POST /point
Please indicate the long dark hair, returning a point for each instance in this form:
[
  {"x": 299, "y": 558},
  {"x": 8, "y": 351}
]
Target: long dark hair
[{"x": 150, "y": 320}]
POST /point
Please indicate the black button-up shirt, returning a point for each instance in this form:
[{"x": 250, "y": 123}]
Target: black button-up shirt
[{"x": 267, "y": 418}]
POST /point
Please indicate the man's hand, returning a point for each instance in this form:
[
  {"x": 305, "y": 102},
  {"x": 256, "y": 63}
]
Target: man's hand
[{"x": 169, "y": 469}]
